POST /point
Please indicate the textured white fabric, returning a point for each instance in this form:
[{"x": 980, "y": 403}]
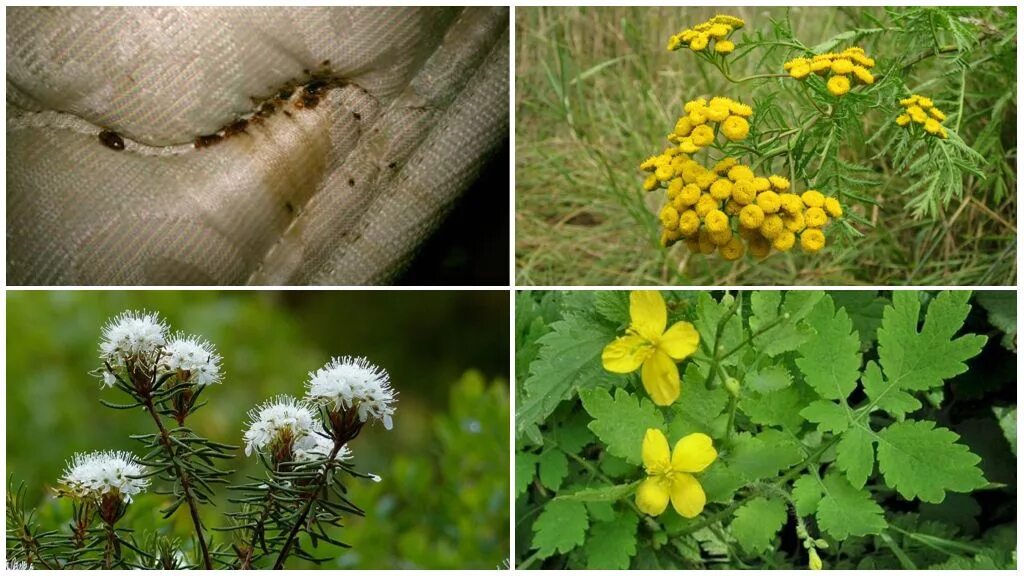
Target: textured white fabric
[{"x": 339, "y": 193}]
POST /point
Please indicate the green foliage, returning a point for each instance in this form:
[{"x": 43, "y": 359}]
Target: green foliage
[
  {"x": 445, "y": 507},
  {"x": 841, "y": 436}
]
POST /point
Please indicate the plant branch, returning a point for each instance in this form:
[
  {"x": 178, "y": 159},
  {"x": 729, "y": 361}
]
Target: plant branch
[
  {"x": 301, "y": 519},
  {"x": 183, "y": 478}
]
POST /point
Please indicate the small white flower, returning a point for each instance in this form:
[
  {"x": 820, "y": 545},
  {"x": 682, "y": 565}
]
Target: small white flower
[
  {"x": 317, "y": 446},
  {"x": 109, "y": 379},
  {"x": 132, "y": 334},
  {"x": 193, "y": 355},
  {"x": 374, "y": 477},
  {"x": 270, "y": 419},
  {"x": 354, "y": 383},
  {"x": 18, "y": 565},
  {"x": 93, "y": 474}
]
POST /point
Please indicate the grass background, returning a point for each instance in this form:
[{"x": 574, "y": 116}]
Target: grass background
[
  {"x": 596, "y": 92},
  {"x": 443, "y": 501}
]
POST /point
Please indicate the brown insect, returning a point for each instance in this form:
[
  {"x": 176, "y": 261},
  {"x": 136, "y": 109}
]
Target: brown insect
[
  {"x": 207, "y": 140},
  {"x": 111, "y": 140}
]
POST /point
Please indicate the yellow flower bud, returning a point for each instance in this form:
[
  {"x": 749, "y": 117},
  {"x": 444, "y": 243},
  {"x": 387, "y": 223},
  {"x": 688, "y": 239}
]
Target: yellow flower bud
[
  {"x": 838, "y": 85},
  {"x": 812, "y": 240},
  {"x": 735, "y": 128}
]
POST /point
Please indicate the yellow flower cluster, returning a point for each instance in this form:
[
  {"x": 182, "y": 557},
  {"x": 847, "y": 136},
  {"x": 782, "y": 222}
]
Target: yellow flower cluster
[
  {"x": 838, "y": 66},
  {"x": 695, "y": 128},
  {"x": 705, "y": 206},
  {"x": 699, "y": 37},
  {"x": 921, "y": 110}
]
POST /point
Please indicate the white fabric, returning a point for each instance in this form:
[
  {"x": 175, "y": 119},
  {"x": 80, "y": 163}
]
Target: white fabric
[{"x": 337, "y": 194}]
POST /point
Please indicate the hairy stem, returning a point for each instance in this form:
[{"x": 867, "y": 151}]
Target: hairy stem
[{"x": 186, "y": 487}]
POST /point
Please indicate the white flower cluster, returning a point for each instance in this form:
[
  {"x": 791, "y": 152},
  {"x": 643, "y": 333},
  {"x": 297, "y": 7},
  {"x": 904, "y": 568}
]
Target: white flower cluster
[
  {"x": 193, "y": 355},
  {"x": 142, "y": 337},
  {"x": 94, "y": 474},
  {"x": 284, "y": 415},
  {"x": 354, "y": 383},
  {"x": 132, "y": 334}
]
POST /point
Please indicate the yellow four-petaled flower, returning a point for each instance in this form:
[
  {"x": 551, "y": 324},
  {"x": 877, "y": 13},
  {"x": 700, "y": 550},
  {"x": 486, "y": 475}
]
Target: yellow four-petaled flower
[
  {"x": 670, "y": 475},
  {"x": 649, "y": 346}
]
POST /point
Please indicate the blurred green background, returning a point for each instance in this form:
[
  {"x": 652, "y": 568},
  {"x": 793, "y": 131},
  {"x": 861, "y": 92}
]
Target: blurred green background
[{"x": 443, "y": 501}]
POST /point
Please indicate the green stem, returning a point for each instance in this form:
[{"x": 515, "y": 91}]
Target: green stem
[
  {"x": 754, "y": 335},
  {"x": 733, "y": 402}
]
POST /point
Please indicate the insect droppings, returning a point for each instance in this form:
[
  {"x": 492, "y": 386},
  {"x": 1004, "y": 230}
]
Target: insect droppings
[{"x": 111, "y": 140}]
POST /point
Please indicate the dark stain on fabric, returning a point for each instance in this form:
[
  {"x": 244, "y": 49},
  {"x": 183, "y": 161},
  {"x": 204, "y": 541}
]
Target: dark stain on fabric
[
  {"x": 237, "y": 127},
  {"x": 111, "y": 140}
]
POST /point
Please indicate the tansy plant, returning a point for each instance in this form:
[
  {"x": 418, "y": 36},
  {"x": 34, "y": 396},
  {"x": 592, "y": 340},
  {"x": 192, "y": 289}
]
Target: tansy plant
[
  {"x": 303, "y": 444},
  {"x": 757, "y": 188},
  {"x": 804, "y": 430}
]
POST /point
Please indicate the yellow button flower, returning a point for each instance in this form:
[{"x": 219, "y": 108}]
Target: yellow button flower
[
  {"x": 724, "y": 46},
  {"x": 838, "y": 85},
  {"x": 735, "y": 128},
  {"x": 649, "y": 346},
  {"x": 670, "y": 475}
]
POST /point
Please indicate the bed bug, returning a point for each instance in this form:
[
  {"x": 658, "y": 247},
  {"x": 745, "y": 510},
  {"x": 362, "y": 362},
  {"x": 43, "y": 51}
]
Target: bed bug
[
  {"x": 207, "y": 140},
  {"x": 111, "y": 140}
]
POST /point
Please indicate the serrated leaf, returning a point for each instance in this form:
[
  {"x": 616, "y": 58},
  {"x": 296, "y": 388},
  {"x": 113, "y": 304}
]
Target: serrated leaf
[
  {"x": 829, "y": 416},
  {"x": 762, "y": 456},
  {"x": 806, "y": 495},
  {"x": 571, "y": 433},
  {"x": 610, "y": 545},
  {"x": 569, "y": 355},
  {"x": 864, "y": 307},
  {"x": 709, "y": 313},
  {"x": 894, "y": 401},
  {"x": 855, "y": 455},
  {"x": 919, "y": 460},
  {"x": 780, "y": 408},
  {"x": 602, "y": 494},
  {"x": 913, "y": 360},
  {"x": 613, "y": 305},
  {"x": 831, "y": 360},
  {"x": 1007, "y": 417},
  {"x": 846, "y": 511},
  {"x": 791, "y": 332},
  {"x": 697, "y": 406},
  {"x": 756, "y": 523},
  {"x": 553, "y": 467},
  {"x": 720, "y": 483},
  {"x": 621, "y": 422},
  {"x": 526, "y": 468},
  {"x": 768, "y": 379},
  {"x": 1002, "y": 313},
  {"x": 561, "y": 526}
]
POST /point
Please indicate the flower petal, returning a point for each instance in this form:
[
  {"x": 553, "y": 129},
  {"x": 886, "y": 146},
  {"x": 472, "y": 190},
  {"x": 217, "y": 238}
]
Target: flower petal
[
  {"x": 625, "y": 354},
  {"x": 652, "y": 496},
  {"x": 693, "y": 453},
  {"x": 687, "y": 495},
  {"x": 647, "y": 314},
  {"x": 680, "y": 341},
  {"x": 661, "y": 378},
  {"x": 654, "y": 451}
]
